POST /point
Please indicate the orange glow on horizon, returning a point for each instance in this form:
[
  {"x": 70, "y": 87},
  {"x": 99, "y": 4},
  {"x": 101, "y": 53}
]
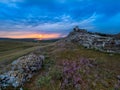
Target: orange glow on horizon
[
  {"x": 29, "y": 35},
  {"x": 47, "y": 36}
]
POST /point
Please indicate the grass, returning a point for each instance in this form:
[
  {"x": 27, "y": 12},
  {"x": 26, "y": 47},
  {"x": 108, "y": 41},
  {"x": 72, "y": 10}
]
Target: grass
[
  {"x": 11, "y": 50},
  {"x": 107, "y": 60},
  {"x": 108, "y": 65}
]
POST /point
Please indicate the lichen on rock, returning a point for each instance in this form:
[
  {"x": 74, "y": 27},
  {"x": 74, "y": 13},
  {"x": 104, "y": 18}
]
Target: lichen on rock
[{"x": 21, "y": 70}]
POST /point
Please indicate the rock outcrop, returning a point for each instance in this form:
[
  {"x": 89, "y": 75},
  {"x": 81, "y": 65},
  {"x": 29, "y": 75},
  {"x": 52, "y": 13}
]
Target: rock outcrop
[
  {"x": 21, "y": 70},
  {"x": 98, "y": 41}
]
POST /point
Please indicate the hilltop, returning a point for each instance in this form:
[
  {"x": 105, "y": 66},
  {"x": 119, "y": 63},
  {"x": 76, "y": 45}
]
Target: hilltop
[{"x": 102, "y": 42}]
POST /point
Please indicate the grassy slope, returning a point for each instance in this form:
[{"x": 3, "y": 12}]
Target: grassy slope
[
  {"x": 108, "y": 66},
  {"x": 11, "y": 50}
]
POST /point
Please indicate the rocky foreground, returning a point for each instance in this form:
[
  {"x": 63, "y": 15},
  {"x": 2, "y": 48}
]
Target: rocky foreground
[{"x": 21, "y": 70}]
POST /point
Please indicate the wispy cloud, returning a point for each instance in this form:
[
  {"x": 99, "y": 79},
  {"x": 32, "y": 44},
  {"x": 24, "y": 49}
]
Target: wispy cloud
[
  {"x": 63, "y": 27},
  {"x": 59, "y": 16},
  {"x": 11, "y": 3}
]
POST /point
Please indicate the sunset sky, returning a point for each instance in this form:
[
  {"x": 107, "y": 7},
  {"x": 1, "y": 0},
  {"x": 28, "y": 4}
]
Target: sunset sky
[{"x": 56, "y": 18}]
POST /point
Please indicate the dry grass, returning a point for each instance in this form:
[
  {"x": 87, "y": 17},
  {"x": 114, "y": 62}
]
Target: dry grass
[
  {"x": 11, "y": 50},
  {"x": 108, "y": 64}
]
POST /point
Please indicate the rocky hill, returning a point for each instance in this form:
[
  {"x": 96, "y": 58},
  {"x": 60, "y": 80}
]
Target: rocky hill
[
  {"x": 66, "y": 65},
  {"x": 98, "y": 41}
]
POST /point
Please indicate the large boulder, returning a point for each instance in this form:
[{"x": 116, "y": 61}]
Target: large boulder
[{"x": 21, "y": 70}]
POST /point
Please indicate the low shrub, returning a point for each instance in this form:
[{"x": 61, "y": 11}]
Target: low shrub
[
  {"x": 48, "y": 63},
  {"x": 55, "y": 73},
  {"x": 44, "y": 81},
  {"x": 71, "y": 76}
]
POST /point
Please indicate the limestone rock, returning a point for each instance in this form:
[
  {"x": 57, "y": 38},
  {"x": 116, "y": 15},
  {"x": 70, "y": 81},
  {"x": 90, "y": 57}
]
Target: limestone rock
[
  {"x": 101, "y": 42},
  {"x": 21, "y": 70}
]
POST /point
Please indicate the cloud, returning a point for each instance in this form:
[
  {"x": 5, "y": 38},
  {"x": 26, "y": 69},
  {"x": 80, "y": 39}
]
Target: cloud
[
  {"x": 11, "y": 3},
  {"x": 63, "y": 27},
  {"x": 59, "y": 16}
]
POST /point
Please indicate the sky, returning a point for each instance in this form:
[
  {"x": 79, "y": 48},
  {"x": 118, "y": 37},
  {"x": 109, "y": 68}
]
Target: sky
[{"x": 56, "y": 18}]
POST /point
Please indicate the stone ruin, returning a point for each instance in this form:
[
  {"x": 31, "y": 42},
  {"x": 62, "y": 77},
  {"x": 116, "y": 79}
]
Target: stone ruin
[{"x": 105, "y": 43}]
